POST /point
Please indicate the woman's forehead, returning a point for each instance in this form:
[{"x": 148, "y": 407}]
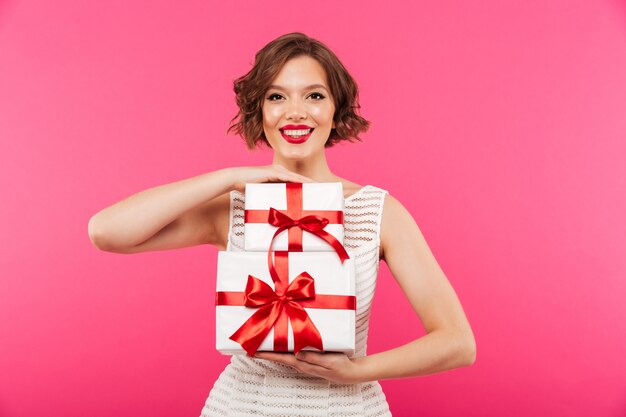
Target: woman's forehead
[
  {"x": 300, "y": 73},
  {"x": 305, "y": 88}
]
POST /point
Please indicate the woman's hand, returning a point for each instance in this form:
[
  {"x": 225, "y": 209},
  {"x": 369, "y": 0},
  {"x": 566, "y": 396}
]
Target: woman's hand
[
  {"x": 336, "y": 367},
  {"x": 269, "y": 173}
]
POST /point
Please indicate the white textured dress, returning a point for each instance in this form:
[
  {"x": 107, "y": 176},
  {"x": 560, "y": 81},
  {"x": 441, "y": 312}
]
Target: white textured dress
[{"x": 257, "y": 387}]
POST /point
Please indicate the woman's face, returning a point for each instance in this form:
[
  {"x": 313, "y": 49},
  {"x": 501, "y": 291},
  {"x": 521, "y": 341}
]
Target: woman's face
[{"x": 298, "y": 100}]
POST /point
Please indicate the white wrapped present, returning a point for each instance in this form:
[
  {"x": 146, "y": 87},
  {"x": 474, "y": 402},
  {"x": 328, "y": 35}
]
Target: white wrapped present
[
  {"x": 298, "y": 207},
  {"x": 330, "y": 311}
]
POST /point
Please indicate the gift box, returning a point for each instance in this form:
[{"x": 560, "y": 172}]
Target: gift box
[
  {"x": 295, "y": 217},
  {"x": 307, "y": 303}
]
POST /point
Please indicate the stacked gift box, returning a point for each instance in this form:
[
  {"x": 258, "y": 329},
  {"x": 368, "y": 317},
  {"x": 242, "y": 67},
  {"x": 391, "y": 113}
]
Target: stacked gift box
[{"x": 293, "y": 287}]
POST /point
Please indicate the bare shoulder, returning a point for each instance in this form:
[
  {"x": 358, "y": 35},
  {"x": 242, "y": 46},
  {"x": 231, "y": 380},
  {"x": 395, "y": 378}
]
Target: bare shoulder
[
  {"x": 350, "y": 188},
  {"x": 397, "y": 225}
]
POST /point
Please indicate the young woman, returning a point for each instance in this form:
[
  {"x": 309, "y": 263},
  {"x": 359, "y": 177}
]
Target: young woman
[{"x": 299, "y": 99}]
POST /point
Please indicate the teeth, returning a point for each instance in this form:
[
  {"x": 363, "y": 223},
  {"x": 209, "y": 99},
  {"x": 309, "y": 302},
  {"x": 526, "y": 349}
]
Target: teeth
[{"x": 297, "y": 133}]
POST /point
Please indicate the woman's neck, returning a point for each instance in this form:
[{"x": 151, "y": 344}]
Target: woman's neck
[{"x": 315, "y": 168}]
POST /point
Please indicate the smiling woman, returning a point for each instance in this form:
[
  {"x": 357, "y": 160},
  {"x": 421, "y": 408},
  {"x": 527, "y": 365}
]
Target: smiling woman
[
  {"x": 310, "y": 73},
  {"x": 299, "y": 100}
]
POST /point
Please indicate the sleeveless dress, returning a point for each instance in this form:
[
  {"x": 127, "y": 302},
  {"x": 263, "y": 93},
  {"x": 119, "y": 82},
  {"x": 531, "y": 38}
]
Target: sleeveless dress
[{"x": 255, "y": 387}]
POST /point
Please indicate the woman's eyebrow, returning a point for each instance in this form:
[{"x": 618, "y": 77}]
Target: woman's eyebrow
[{"x": 310, "y": 87}]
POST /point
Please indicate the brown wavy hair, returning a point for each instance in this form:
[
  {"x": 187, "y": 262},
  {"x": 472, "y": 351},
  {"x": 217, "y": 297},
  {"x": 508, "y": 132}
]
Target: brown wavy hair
[{"x": 250, "y": 89}]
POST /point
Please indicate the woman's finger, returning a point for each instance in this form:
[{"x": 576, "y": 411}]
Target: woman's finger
[
  {"x": 314, "y": 358},
  {"x": 293, "y": 178},
  {"x": 290, "y": 359},
  {"x": 311, "y": 369},
  {"x": 284, "y": 358}
]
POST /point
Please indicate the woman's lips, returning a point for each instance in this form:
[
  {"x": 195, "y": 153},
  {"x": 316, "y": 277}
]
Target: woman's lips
[{"x": 296, "y": 141}]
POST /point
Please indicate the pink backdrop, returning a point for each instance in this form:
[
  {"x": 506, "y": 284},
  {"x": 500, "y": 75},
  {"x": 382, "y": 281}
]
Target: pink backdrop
[{"x": 500, "y": 125}]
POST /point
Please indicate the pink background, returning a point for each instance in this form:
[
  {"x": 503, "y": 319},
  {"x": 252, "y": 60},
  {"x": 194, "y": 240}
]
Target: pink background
[{"x": 500, "y": 125}]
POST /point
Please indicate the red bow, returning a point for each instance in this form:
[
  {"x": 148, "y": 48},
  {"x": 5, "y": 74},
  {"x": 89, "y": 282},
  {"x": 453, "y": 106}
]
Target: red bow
[
  {"x": 260, "y": 295},
  {"x": 312, "y": 223}
]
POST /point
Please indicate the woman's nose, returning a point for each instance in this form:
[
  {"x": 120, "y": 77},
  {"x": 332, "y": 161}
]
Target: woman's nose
[{"x": 296, "y": 110}]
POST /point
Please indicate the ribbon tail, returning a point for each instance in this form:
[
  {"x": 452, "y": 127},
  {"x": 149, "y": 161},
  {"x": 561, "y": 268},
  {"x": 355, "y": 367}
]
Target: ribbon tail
[
  {"x": 278, "y": 231},
  {"x": 304, "y": 331},
  {"x": 270, "y": 264},
  {"x": 332, "y": 241},
  {"x": 252, "y": 333}
]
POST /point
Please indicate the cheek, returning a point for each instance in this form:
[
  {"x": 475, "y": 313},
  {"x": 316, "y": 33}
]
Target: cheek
[
  {"x": 323, "y": 114},
  {"x": 271, "y": 115}
]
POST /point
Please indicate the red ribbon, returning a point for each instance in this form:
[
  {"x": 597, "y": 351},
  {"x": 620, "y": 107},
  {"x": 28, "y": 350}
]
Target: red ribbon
[
  {"x": 293, "y": 220},
  {"x": 275, "y": 307}
]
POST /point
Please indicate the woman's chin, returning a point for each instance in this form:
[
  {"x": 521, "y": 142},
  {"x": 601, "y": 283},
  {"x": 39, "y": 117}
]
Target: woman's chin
[{"x": 297, "y": 152}]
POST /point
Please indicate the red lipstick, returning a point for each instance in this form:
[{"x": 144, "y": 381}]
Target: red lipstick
[
  {"x": 298, "y": 140},
  {"x": 295, "y": 127}
]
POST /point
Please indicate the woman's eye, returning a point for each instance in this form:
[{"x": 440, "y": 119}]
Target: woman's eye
[
  {"x": 272, "y": 96},
  {"x": 275, "y": 96}
]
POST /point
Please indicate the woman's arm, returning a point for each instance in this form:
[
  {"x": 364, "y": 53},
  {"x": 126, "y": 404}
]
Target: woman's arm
[
  {"x": 162, "y": 217},
  {"x": 179, "y": 214},
  {"x": 449, "y": 343}
]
